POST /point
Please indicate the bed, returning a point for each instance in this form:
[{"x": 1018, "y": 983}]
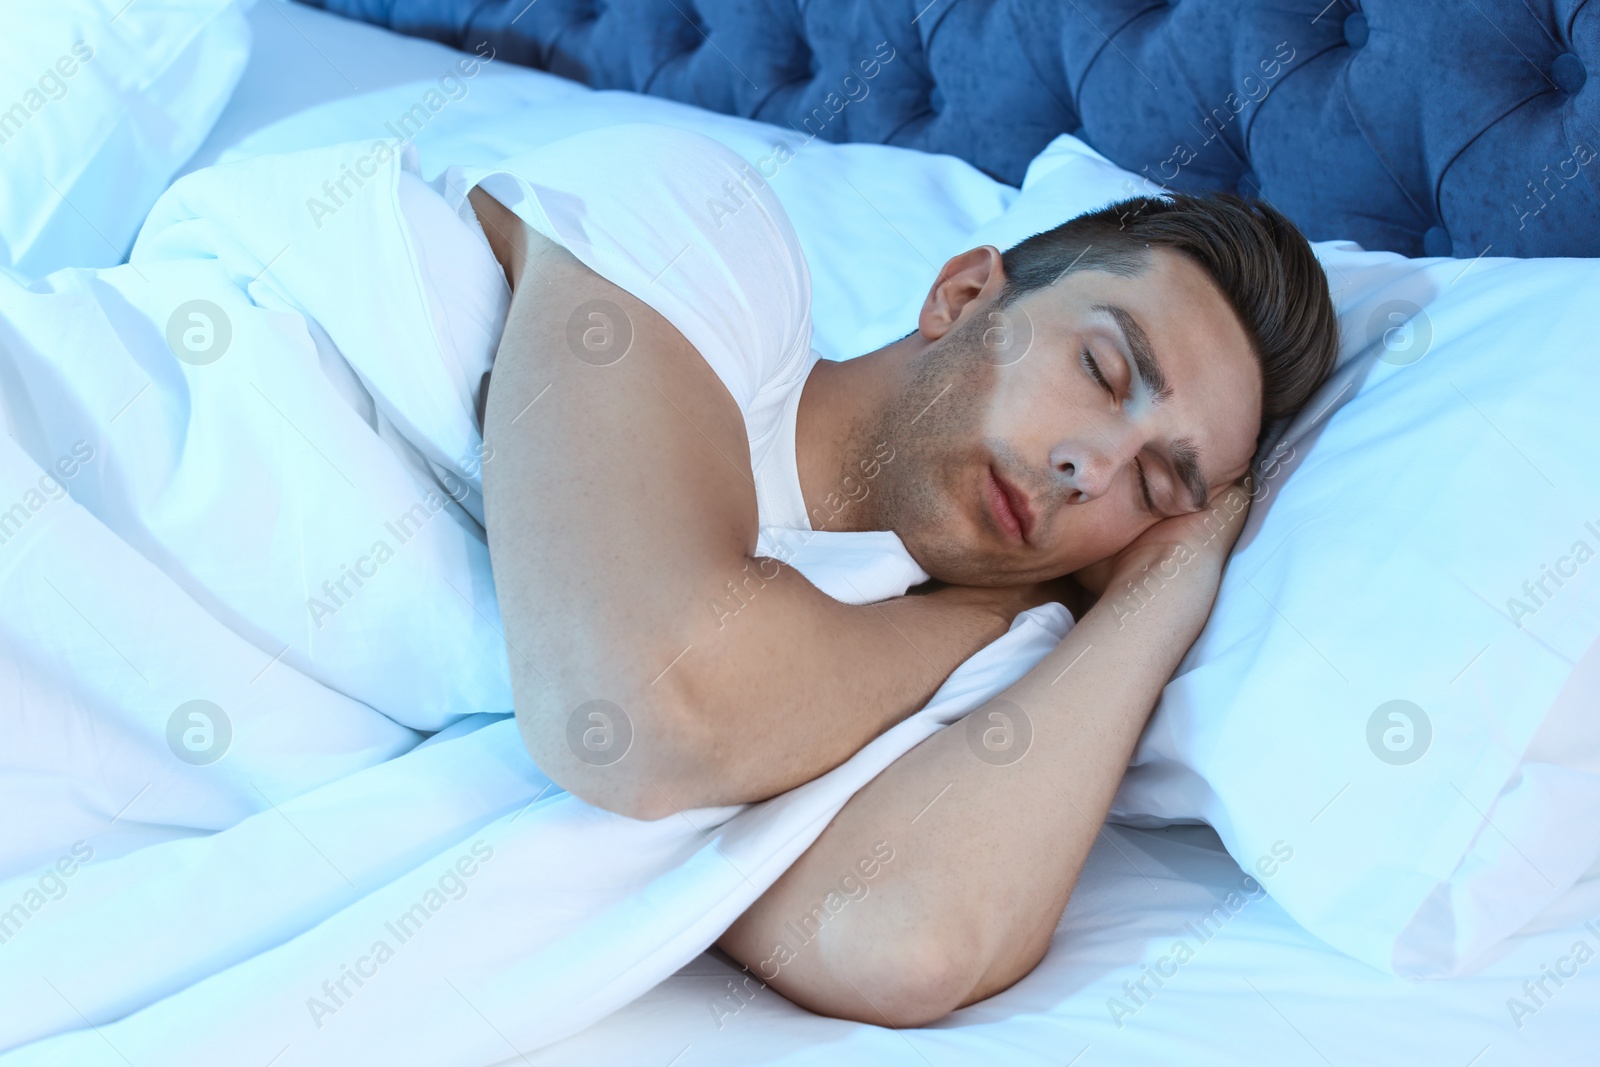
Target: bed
[
  {"x": 1259, "y": 989},
  {"x": 1249, "y": 984},
  {"x": 1262, "y": 989}
]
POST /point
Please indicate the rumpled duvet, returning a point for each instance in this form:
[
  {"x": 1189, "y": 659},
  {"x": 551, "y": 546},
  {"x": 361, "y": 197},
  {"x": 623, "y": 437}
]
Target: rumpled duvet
[{"x": 265, "y": 801}]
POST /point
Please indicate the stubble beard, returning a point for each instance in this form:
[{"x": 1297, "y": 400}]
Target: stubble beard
[{"x": 934, "y": 424}]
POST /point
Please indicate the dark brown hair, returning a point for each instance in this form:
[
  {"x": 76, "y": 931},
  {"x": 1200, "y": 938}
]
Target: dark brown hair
[{"x": 1257, "y": 258}]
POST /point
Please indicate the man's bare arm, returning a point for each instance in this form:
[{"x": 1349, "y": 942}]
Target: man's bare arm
[
  {"x": 982, "y": 853},
  {"x": 619, "y": 506}
]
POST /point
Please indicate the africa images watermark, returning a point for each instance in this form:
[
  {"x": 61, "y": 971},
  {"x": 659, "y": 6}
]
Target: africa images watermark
[
  {"x": 1399, "y": 732},
  {"x": 1537, "y": 592},
  {"x": 851, "y": 887},
  {"x": 1217, "y": 119},
  {"x": 852, "y": 490},
  {"x": 855, "y": 90},
  {"x": 452, "y": 88},
  {"x": 199, "y": 732},
  {"x": 754, "y": 177},
  {"x": 1138, "y": 991},
  {"x": 51, "y": 886},
  {"x": 1582, "y": 155},
  {"x": 52, "y": 87},
  {"x": 51, "y": 487},
  {"x": 1536, "y": 992},
  {"x": 337, "y": 991},
  {"x": 1135, "y": 596},
  {"x": 337, "y": 592}
]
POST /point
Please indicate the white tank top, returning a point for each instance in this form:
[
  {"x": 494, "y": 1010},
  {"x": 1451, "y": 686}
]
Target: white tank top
[{"x": 670, "y": 216}]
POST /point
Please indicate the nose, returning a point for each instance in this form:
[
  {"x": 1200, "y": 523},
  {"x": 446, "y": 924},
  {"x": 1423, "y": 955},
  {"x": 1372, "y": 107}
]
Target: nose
[{"x": 1089, "y": 466}]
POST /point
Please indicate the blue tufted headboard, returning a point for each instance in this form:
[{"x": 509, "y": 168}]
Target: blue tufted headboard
[{"x": 1426, "y": 127}]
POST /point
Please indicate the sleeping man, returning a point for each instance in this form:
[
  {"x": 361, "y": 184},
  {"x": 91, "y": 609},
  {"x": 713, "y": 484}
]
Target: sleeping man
[{"x": 1086, "y": 404}]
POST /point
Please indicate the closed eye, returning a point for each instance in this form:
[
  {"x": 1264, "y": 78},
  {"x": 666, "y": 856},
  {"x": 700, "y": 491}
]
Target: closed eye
[
  {"x": 1144, "y": 488},
  {"x": 1087, "y": 359},
  {"x": 1089, "y": 364}
]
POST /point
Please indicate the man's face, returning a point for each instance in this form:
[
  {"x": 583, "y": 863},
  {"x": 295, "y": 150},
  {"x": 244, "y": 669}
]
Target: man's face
[{"x": 1135, "y": 400}]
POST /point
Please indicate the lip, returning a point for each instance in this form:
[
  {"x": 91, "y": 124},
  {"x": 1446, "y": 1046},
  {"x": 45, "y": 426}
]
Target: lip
[{"x": 1010, "y": 507}]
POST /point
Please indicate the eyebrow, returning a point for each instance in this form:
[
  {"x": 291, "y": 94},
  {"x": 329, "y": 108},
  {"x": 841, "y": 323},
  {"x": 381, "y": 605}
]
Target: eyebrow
[
  {"x": 1186, "y": 461},
  {"x": 1185, "y": 458},
  {"x": 1144, "y": 357}
]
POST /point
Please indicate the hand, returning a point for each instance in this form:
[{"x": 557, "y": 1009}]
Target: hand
[{"x": 1205, "y": 536}]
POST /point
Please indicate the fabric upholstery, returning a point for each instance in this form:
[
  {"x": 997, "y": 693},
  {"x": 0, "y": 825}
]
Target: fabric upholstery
[{"x": 1445, "y": 127}]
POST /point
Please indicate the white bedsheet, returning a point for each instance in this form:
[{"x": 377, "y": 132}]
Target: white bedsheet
[
  {"x": 254, "y": 399},
  {"x": 1258, "y": 989},
  {"x": 250, "y": 890}
]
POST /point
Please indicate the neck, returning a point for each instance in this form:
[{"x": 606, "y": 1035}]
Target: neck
[{"x": 841, "y": 407}]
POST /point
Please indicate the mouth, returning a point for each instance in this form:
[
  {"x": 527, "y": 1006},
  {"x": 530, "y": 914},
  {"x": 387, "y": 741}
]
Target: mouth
[{"x": 1009, "y": 507}]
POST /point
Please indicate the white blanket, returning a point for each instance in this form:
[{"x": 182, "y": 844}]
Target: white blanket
[{"x": 241, "y": 586}]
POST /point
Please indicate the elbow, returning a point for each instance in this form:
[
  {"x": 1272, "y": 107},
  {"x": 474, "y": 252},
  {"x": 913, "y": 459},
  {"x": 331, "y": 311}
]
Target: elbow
[
  {"x": 633, "y": 805},
  {"x": 640, "y": 761},
  {"x": 910, "y": 987},
  {"x": 930, "y": 986}
]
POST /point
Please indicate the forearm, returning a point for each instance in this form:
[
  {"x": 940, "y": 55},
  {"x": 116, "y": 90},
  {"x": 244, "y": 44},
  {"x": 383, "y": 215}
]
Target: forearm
[
  {"x": 985, "y": 851},
  {"x": 794, "y": 682}
]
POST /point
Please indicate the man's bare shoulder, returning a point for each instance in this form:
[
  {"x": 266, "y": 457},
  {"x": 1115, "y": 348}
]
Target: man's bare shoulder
[
  {"x": 615, "y": 381},
  {"x": 513, "y": 241}
]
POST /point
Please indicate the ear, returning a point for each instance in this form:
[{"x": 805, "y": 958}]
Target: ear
[{"x": 967, "y": 280}]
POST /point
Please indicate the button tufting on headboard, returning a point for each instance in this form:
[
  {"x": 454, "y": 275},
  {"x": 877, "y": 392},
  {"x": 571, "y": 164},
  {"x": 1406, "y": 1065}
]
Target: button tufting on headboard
[
  {"x": 1566, "y": 70},
  {"x": 1436, "y": 242},
  {"x": 1443, "y": 127},
  {"x": 1355, "y": 29}
]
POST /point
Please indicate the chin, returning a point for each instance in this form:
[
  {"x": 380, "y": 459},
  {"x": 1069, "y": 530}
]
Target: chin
[
  {"x": 958, "y": 564},
  {"x": 951, "y": 544}
]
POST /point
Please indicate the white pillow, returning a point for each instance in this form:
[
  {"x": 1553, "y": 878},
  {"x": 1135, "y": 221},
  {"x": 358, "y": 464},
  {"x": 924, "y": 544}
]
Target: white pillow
[
  {"x": 1394, "y": 555},
  {"x": 101, "y": 101}
]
